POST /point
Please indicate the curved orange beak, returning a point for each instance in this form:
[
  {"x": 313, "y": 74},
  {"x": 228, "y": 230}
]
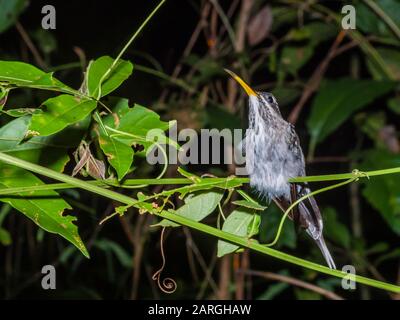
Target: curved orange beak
[{"x": 244, "y": 85}]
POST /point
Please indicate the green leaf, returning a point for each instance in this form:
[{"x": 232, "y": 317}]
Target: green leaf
[
  {"x": 336, "y": 102},
  {"x": 219, "y": 118},
  {"x": 196, "y": 207},
  {"x": 139, "y": 120},
  {"x": 294, "y": 57},
  {"x": 19, "y": 112},
  {"x": 25, "y": 75},
  {"x": 46, "y": 40},
  {"x": 383, "y": 192},
  {"x": 395, "y": 254},
  {"x": 371, "y": 124},
  {"x": 283, "y": 15},
  {"x": 144, "y": 127},
  {"x": 249, "y": 204},
  {"x": 9, "y": 12},
  {"x": 394, "y": 104},
  {"x": 110, "y": 246},
  {"x": 44, "y": 208},
  {"x": 99, "y": 84},
  {"x": 306, "y": 295},
  {"x": 135, "y": 125},
  {"x": 5, "y": 237},
  {"x": 58, "y": 113},
  {"x": 237, "y": 223},
  {"x": 369, "y": 22},
  {"x": 391, "y": 57},
  {"x": 273, "y": 291},
  {"x": 119, "y": 107},
  {"x": 254, "y": 227},
  {"x": 3, "y": 96},
  {"x": 119, "y": 154},
  {"x": 285, "y": 95},
  {"x": 315, "y": 32},
  {"x": 334, "y": 229},
  {"x": 50, "y": 151},
  {"x": 376, "y": 248},
  {"x": 330, "y": 283}
]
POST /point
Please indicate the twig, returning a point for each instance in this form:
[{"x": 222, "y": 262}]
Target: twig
[
  {"x": 316, "y": 78},
  {"x": 193, "y": 38},
  {"x": 293, "y": 281},
  {"x": 190, "y": 255},
  {"x": 240, "y": 41},
  {"x": 224, "y": 20},
  {"x": 224, "y": 278},
  {"x": 206, "y": 269},
  {"x": 35, "y": 52}
]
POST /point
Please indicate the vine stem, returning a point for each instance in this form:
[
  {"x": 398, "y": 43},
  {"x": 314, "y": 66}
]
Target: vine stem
[
  {"x": 185, "y": 181},
  {"x": 240, "y": 241},
  {"x": 283, "y": 219},
  {"x": 134, "y": 36}
]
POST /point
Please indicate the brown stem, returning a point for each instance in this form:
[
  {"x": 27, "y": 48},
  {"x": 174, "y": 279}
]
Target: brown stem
[
  {"x": 195, "y": 35},
  {"x": 224, "y": 278},
  {"x": 293, "y": 281},
  {"x": 316, "y": 78},
  {"x": 240, "y": 42},
  {"x": 25, "y": 37}
]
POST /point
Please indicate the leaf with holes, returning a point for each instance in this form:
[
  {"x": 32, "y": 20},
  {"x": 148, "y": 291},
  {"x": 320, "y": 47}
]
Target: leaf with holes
[
  {"x": 58, "y": 113},
  {"x": 45, "y": 208},
  {"x": 144, "y": 127}
]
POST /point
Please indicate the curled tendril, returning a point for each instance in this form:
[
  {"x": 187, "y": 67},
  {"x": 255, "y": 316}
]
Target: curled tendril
[{"x": 166, "y": 285}]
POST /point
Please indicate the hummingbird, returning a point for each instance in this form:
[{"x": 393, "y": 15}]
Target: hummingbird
[{"x": 273, "y": 156}]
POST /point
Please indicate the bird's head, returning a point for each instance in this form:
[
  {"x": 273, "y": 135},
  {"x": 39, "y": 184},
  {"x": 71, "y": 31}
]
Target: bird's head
[{"x": 264, "y": 101}]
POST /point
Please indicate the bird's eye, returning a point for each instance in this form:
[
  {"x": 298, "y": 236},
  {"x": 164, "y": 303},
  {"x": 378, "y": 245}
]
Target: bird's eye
[{"x": 270, "y": 99}]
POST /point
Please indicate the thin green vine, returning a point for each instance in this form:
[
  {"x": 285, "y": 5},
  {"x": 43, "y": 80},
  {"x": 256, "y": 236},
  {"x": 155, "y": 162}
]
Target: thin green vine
[{"x": 240, "y": 241}]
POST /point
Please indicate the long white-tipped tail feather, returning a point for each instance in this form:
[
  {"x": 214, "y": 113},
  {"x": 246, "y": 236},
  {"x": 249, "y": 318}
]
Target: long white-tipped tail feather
[{"x": 325, "y": 252}]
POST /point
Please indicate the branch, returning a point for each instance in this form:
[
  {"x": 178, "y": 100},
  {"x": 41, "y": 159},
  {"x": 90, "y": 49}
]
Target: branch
[
  {"x": 293, "y": 281},
  {"x": 240, "y": 241}
]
